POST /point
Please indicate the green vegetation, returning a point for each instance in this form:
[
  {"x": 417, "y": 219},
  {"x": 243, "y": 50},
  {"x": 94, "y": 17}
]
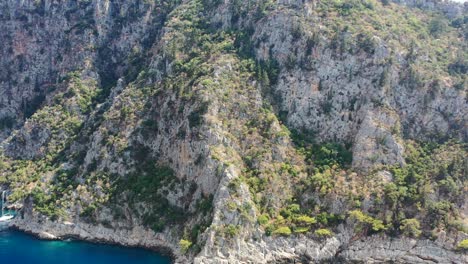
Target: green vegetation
[
  {"x": 463, "y": 245},
  {"x": 46, "y": 204},
  {"x": 429, "y": 166},
  {"x": 411, "y": 227},
  {"x": 323, "y": 232},
  {"x": 326, "y": 159},
  {"x": 61, "y": 122},
  {"x": 282, "y": 231},
  {"x": 323, "y": 156},
  {"x": 438, "y": 26},
  {"x": 353, "y": 26},
  {"x": 146, "y": 186},
  {"x": 263, "y": 219},
  {"x": 366, "y": 222},
  {"x": 305, "y": 220},
  {"x": 184, "y": 245},
  {"x": 231, "y": 230}
]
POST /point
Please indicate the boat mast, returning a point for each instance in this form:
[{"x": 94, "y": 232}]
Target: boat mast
[{"x": 3, "y": 201}]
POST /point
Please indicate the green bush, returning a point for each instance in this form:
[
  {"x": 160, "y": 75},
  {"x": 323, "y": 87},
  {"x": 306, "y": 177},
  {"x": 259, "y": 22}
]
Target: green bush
[
  {"x": 282, "y": 231},
  {"x": 366, "y": 221},
  {"x": 299, "y": 230},
  {"x": 326, "y": 219},
  {"x": 463, "y": 245},
  {"x": 323, "y": 232},
  {"x": 184, "y": 245},
  {"x": 458, "y": 225},
  {"x": 437, "y": 26},
  {"x": 232, "y": 230},
  {"x": 411, "y": 227},
  {"x": 330, "y": 154},
  {"x": 263, "y": 219},
  {"x": 291, "y": 210},
  {"x": 205, "y": 204},
  {"x": 305, "y": 220}
]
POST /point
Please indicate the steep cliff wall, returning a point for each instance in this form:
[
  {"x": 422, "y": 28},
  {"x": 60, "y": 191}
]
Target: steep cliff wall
[{"x": 239, "y": 131}]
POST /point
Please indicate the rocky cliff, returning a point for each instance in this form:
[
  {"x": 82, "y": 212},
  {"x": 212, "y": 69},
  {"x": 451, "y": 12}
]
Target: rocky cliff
[{"x": 240, "y": 131}]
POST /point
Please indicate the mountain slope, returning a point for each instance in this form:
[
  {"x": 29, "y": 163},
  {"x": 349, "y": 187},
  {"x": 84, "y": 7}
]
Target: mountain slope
[{"x": 239, "y": 131}]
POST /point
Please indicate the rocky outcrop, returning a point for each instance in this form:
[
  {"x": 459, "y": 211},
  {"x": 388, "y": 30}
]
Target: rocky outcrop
[
  {"x": 378, "y": 250},
  {"x": 134, "y": 237},
  {"x": 370, "y": 250},
  {"x": 262, "y": 250}
]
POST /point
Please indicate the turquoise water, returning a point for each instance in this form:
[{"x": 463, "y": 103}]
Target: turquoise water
[{"x": 19, "y": 248}]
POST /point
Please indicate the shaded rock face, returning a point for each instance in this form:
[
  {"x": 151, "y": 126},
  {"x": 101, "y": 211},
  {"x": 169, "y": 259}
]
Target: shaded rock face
[
  {"x": 99, "y": 98},
  {"x": 34, "y": 51},
  {"x": 45, "y": 40}
]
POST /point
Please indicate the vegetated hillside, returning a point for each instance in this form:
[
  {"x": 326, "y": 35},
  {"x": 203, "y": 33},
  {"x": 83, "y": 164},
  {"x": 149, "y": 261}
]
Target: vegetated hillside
[{"x": 240, "y": 131}]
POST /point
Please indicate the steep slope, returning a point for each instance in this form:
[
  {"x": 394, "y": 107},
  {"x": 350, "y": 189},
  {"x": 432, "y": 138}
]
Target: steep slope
[{"x": 239, "y": 131}]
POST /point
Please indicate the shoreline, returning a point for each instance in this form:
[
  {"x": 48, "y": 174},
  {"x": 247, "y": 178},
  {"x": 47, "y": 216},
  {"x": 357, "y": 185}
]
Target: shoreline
[
  {"x": 374, "y": 248},
  {"x": 161, "y": 249}
]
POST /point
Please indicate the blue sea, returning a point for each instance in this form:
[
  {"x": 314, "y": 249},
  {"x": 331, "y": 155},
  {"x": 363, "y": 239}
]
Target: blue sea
[{"x": 20, "y": 248}]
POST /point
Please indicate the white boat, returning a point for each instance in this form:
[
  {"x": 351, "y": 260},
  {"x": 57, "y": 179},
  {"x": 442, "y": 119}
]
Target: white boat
[{"x": 5, "y": 217}]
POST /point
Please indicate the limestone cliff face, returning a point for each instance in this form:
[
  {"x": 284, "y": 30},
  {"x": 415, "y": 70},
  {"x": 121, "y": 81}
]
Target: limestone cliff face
[
  {"x": 181, "y": 125},
  {"x": 350, "y": 93},
  {"x": 45, "y": 40}
]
